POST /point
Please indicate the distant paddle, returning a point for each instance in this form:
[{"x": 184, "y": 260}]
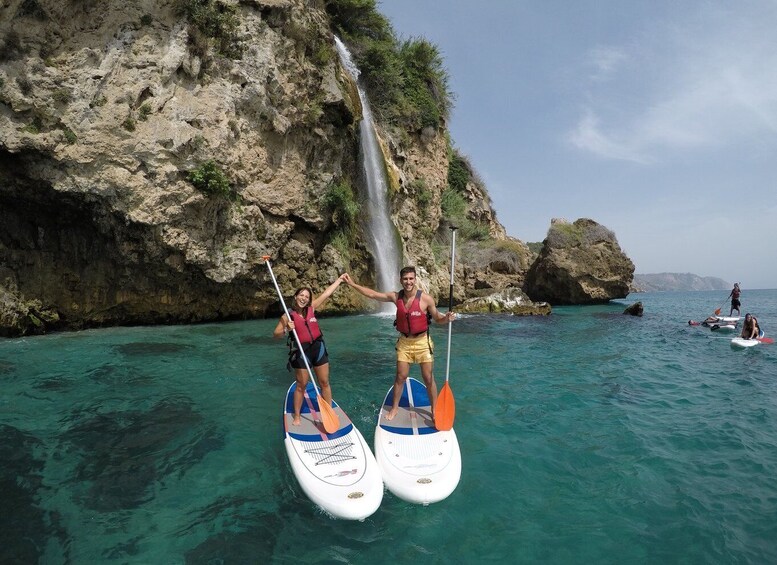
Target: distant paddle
[
  {"x": 445, "y": 409},
  {"x": 328, "y": 417}
]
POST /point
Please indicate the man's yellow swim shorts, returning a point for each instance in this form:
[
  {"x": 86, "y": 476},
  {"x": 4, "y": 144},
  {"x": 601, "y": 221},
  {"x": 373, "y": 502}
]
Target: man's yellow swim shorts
[{"x": 419, "y": 349}]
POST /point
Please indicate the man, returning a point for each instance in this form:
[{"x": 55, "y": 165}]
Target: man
[
  {"x": 414, "y": 308},
  {"x": 734, "y": 296}
]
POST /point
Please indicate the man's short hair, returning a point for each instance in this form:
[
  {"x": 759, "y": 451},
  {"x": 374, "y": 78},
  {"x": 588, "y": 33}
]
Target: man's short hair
[{"x": 405, "y": 271}]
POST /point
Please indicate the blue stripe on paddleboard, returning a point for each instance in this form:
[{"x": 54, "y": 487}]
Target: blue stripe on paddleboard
[
  {"x": 311, "y": 393},
  {"x": 317, "y": 437},
  {"x": 420, "y": 397},
  {"x": 408, "y": 431}
]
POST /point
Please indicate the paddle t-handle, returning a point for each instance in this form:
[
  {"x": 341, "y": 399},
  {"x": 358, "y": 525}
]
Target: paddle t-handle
[{"x": 328, "y": 417}]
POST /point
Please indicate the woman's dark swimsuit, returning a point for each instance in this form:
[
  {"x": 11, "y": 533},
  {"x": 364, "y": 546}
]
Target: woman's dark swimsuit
[{"x": 315, "y": 352}]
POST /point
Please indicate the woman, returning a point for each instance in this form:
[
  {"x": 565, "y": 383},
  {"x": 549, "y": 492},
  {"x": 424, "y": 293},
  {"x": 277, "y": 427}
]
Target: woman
[
  {"x": 303, "y": 319},
  {"x": 750, "y": 330}
]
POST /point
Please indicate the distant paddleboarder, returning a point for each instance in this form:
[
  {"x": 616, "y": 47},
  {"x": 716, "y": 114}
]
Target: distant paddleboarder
[
  {"x": 734, "y": 296},
  {"x": 750, "y": 329},
  {"x": 415, "y": 309}
]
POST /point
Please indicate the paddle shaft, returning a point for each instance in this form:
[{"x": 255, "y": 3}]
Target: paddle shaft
[{"x": 450, "y": 303}]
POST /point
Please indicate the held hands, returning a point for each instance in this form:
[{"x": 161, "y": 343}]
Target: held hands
[{"x": 346, "y": 278}]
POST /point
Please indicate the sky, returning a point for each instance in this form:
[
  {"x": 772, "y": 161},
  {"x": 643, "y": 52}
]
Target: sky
[{"x": 656, "y": 119}]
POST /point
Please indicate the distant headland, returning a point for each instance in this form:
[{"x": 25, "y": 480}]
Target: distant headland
[{"x": 656, "y": 282}]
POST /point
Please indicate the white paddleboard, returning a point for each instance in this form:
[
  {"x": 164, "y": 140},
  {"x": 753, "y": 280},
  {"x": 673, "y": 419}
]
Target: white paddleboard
[
  {"x": 336, "y": 471},
  {"x": 419, "y": 464},
  {"x": 742, "y": 342},
  {"x": 724, "y": 328}
]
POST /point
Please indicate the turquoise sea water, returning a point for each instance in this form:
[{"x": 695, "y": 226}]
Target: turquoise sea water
[{"x": 586, "y": 437}]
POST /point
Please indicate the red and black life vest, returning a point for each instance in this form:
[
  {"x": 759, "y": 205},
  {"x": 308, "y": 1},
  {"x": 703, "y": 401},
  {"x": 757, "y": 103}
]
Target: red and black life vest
[
  {"x": 410, "y": 322},
  {"x": 306, "y": 327}
]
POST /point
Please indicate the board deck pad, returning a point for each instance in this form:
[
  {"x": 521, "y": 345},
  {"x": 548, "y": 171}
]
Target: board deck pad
[
  {"x": 311, "y": 428},
  {"x": 415, "y": 418}
]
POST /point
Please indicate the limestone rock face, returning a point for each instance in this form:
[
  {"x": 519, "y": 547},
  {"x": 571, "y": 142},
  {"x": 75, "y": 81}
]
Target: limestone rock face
[
  {"x": 106, "y": 110},
  {"x": 104, "y": 113},
  {"x": 580, "y": 263},
  {"x": 418, "y": 176}
]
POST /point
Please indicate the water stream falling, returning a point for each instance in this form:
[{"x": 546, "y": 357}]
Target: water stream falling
[{"x": 381, "y": 232}]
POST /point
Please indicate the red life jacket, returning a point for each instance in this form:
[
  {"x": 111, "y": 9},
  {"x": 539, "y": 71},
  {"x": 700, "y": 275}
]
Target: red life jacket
[
  {"x": 413, "y": 321},
  {"x": 307, "y": 328}
]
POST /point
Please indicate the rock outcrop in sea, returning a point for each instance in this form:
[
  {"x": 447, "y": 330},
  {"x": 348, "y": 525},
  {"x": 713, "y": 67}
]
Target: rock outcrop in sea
[
  {"x": 580, "y": 263},
  {"x": 510, "y": 301}
]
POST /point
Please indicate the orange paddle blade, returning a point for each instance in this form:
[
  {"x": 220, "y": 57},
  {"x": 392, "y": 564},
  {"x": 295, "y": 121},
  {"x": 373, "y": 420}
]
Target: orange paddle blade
[
  {"x": 445, "y": 409},
  {"x": 328, "y": 417},
  {"x": 717, "y": 312}
]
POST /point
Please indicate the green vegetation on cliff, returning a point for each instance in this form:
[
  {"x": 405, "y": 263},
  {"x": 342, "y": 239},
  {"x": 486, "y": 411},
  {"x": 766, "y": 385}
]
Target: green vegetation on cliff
[
  {"x": 455, "y": 207},
  {"x": 216, "y": 21},
  {"x": 581, "y": 233},
  {"x": 405, "y": 80},
  {"x": 211, "y": 180},
  {"x": 340, "y": 201}
]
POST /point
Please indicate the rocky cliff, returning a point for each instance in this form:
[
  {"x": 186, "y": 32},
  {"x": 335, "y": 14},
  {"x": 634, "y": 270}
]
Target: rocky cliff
[
  {"x": 150, "y": 156},
  {"x": 151, "y": 153}
]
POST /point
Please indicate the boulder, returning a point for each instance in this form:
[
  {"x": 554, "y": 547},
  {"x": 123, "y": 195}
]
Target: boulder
[
  {"x": 635, "y": 309},
  {"x": 509, "y": 301},
  {"x": 580, "y": 263}
]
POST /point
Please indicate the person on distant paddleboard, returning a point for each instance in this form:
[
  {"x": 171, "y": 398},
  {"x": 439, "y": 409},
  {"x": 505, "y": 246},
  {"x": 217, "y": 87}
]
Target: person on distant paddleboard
[
  {"x": 303, "y": 319},
  {"x": 710, "y": 320},
  {"x": 415, "y": 309},
  {"x": 750, "y": 329},
  {"x": 734, "y": 296}
]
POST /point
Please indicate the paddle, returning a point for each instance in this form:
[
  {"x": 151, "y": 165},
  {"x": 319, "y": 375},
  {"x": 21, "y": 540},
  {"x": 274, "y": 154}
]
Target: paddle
[
  {"x": 765, "y": 339},
  {"x": 328, "y": 417},
  {"x": 445, "y": 409}
]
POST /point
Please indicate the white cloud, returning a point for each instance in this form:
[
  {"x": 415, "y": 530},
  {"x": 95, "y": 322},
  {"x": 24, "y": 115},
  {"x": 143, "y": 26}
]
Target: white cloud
[
  {"x": 589, "y": 136},
  {"x": 605, "y": 61}
]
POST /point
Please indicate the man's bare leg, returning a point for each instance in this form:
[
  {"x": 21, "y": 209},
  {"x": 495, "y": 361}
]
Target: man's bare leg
[
  {"x": 431, "y": 386},
  {"x": 403, "y": 369}
]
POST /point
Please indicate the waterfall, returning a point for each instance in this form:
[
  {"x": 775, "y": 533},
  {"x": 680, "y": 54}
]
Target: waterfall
[{"x": 381, "y": 232}]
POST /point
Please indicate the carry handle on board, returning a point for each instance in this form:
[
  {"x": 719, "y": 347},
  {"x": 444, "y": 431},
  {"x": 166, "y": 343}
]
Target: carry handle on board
[
  {"x": 328, "y": 417},
  {"x": 445, "y": 409}
]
